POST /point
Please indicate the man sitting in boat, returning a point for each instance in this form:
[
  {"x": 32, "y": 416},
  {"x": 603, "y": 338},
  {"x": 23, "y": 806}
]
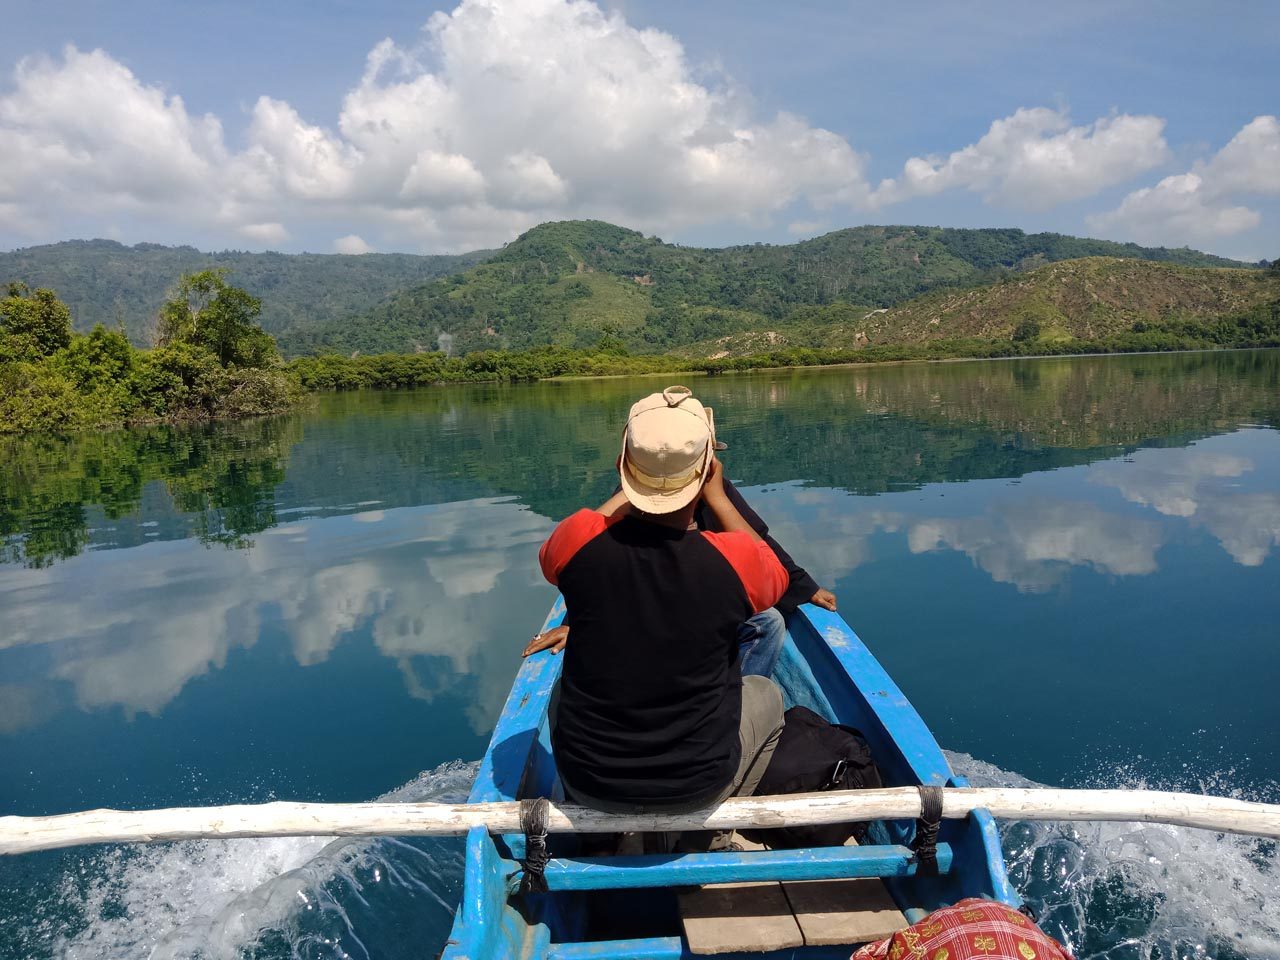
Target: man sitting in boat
[
  {"x": 760, "y": 638},
  {"x": 651, "y": 711}
]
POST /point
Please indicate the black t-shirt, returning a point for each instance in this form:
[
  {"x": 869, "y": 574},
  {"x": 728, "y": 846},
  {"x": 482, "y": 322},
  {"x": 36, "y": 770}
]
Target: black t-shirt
[{"x": 650, "y": 697}]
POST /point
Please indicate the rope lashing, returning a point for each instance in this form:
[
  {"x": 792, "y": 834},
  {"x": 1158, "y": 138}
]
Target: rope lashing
[
  {"x": 925, "y": 845},
  {"x": 534, "y": 815}
]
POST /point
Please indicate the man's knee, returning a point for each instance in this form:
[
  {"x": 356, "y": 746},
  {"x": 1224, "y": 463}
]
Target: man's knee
[
  {"x": 773, "y": 618},
  {"x": 768, "y": 623},
  {"x": 762, "y": 702}
]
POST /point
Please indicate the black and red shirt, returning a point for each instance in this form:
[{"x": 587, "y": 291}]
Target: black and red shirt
[{"x": 650, "y": 696}]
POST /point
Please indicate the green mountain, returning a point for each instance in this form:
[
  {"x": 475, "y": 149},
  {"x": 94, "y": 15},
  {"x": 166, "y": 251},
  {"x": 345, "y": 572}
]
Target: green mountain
[
  {"x": 592, "y": 284},
  {"x": 107, "y": 282}
]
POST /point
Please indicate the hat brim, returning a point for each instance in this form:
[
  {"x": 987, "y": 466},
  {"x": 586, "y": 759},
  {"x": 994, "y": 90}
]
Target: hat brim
[{"x": 660, "y": 500}]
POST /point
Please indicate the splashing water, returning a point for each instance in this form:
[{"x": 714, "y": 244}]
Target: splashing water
[
  {"x": 1122, "y": 891},
  {"x": 298, "y": 897},
  {"x": 1108, "y": 891}
]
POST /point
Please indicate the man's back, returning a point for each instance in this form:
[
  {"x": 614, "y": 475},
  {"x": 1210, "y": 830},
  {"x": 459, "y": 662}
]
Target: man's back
[{"x": 649, "y": 702}]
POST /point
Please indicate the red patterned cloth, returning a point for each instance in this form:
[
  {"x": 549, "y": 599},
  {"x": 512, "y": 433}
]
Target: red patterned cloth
[{"x": 973, "y": 929}]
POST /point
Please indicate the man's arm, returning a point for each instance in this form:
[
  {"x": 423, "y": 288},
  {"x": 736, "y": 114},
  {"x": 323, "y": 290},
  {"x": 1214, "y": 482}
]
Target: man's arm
[
  {"x": 759, "y": 569},
  {"x": 802, "y": 588},
  {"x": 614, "y": 504},
  {"x": 726, "y": 513}
]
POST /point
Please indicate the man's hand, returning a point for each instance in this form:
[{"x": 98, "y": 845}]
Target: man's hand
[
  {"x": 825, "y": 599},
  {"x": 713, "y": 487},
  {"x": 554, "y": 638}
]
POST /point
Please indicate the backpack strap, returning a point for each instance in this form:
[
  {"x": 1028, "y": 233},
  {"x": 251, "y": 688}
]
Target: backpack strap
[{"x": 925, "y": 845}]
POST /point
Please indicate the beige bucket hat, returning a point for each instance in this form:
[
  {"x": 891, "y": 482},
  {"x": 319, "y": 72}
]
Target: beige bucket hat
[{"x": 667, "y": 447}]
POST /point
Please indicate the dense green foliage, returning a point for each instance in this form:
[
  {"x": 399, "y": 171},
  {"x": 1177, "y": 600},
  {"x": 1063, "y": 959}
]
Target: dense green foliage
[
  {"x": 399, "y": 370},
  {"x": 209, "y": 313},
  {"x": 587, "y": 284},
  {"x": 212, "y": 361},
  {"x": 106, "y": 282}
]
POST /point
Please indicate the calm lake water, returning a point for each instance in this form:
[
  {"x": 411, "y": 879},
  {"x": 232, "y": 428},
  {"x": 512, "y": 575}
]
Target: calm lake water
[{"x": 1072, "y": 568}]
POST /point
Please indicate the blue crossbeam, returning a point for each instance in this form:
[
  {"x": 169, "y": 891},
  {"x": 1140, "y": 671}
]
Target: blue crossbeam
[{"x": 671, "y": 870}]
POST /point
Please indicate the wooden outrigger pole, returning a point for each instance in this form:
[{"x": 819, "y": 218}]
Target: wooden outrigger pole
[{"x": 286, "y": 819}]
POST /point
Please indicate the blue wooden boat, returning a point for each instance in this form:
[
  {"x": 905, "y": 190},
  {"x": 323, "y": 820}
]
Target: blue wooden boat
[{"x": 626, "y": 906}]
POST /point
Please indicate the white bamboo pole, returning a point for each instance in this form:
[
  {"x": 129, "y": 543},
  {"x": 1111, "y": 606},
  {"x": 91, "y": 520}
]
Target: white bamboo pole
[{"x": 283, "y": 819}]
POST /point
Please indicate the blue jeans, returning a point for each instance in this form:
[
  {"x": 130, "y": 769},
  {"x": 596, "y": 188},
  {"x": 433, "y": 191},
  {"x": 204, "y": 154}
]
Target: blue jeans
[{"x": 760, "y": 642}]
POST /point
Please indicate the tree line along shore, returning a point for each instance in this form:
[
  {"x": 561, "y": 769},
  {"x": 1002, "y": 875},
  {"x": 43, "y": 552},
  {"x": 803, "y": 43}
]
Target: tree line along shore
[{"x": 211, "y": 359}]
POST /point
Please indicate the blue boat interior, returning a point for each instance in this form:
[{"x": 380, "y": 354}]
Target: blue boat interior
[{"x": 626, "y": 906}]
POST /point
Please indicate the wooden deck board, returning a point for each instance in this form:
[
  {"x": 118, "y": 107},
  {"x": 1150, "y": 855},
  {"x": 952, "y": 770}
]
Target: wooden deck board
[
  {"x": 730, "y": 917},
  {"x": 843, "y": 911},
  {"x": 727, "y": 917}
]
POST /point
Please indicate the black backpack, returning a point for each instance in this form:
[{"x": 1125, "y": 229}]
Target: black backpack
[{"x": 813, "y": 755}]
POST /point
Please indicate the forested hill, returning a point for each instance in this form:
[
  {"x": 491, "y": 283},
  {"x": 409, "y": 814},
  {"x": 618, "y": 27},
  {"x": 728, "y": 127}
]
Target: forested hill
[
  {"x": 1089, "y": 299},
  {"x": 593, "y": 284},
  {"x": 107, "y": 282}
]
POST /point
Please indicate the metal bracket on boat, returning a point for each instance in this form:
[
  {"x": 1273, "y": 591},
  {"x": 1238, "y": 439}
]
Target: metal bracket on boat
[
  {"x": 534, "y": 815},
  {"x": 925, "y": 845}
]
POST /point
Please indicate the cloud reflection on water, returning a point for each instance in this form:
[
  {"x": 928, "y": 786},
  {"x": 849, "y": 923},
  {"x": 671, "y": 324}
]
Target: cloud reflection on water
[
  {"x": 449, "y": 591},
  {"x": 1202, "y": 485},
  {"x": 171, "y": 612},
  {"x": 1032, "y": 538},
  {"x": 1032, "y": 543}
]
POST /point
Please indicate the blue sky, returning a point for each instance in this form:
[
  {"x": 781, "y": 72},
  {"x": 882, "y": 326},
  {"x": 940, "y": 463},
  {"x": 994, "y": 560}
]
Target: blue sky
[{"x": 263, "y": 126}]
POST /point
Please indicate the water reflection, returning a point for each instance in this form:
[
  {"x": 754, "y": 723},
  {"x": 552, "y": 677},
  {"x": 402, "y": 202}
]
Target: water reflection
[
  {"x": 214, "y": 482},
  {"x": 1204, "y": 487},
  {"x": 413, "y": 579},
  {"x": 1031, "y": 543},
  {"x": 408, "y": 522},
  {"x": 320, "y": 607},
  {"x": 553, "y": 445}
]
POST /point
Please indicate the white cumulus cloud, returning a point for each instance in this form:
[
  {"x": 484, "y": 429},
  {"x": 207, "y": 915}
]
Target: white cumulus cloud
[
  {"x": 352, "y": 244},
  {"x": 267, "y": 233},
  {"x": 1202, "y": 204},
  {"x": 1035, "y": 159},
  {"x": 84, "y": 132},
  {"x": 509, "y": 112}
]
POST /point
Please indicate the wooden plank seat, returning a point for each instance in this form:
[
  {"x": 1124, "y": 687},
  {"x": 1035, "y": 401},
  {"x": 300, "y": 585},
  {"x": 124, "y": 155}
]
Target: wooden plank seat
[{"x": 674, "y": 870}]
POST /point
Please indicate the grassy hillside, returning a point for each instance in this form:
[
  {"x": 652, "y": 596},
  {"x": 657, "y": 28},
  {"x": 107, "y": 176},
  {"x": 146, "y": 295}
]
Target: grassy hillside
[
  {"x": 1091, "y": 299},
  {"x": 107, "y": 282},
  {"x": 587, "y": 284}
]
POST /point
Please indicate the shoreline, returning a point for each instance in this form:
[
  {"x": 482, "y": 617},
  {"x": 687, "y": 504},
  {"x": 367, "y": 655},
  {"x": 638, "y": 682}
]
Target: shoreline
[
  {"x": 308, "y": 394},
  {"x": 865, "y": 364}
]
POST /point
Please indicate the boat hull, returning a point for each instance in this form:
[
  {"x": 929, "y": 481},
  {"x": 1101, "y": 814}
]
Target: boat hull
[{"x": 627, "y": 907}]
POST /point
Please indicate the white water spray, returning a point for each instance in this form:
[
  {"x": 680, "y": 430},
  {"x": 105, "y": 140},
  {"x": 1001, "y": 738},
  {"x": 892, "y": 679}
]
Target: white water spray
[
  {"x": 1120, "y": 891},
  {"x": 218, "y": 900}
]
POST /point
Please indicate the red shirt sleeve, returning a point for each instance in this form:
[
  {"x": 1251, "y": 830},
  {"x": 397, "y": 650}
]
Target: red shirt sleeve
[
  {"x": 757, "y": 566},
  {"x": 569, "y": 536}
]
